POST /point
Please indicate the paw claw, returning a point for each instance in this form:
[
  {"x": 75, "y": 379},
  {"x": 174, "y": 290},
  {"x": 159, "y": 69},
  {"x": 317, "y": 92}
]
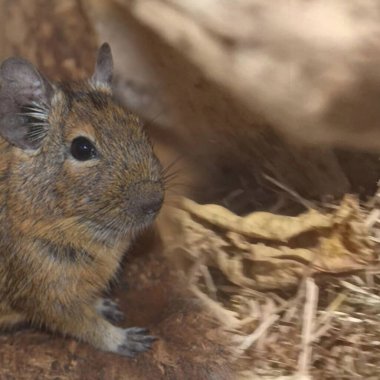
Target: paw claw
[
  {"x": 110, "y": 310},
  {"x": 137, "y": 330},
  {"x": 136, "y": 341},
  {"x": 108, "y": 302}
]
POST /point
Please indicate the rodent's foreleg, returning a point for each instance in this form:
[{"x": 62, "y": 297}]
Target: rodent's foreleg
[
  {"x": 83, "y": 322},
  {"x": 109, "y": 310}
]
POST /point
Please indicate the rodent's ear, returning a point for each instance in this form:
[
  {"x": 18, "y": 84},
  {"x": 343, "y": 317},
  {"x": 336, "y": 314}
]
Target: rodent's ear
[
  {"x": 104, "y": 66},
  {"x": 25, "y": 97}
]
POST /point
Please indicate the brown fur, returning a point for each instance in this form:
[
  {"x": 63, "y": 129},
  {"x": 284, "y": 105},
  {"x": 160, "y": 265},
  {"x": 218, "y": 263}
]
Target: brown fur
[{"x": 65, "y": 224}]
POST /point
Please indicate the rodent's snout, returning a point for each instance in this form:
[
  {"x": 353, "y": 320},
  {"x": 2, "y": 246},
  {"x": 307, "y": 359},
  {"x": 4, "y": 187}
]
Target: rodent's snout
[
  {"x": 152, "y": 204},
  {"x": 147, "y": 200}
]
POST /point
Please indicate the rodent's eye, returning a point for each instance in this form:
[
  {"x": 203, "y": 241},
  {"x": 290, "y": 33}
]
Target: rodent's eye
[{"x": 82, "y": 149}]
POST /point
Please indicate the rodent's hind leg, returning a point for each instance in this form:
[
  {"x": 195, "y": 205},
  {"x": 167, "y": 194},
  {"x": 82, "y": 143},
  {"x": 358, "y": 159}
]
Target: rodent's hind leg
[
  {"x": 109, "y": 309},
  {"x": 11, "y": 319}
]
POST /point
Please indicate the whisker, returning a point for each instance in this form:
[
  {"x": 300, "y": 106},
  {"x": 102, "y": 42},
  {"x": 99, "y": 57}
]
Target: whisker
[
  {"x": 172, "y": 173},
  {"x": 151, "y": 120},
  {"x": 169, "y": 181},
  {"x": 171, "y": 164},
  {"x": 36, "y": 115}
]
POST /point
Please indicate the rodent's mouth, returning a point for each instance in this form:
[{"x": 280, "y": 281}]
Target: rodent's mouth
[
  {"x": 138, "y": 224},
  {"x": 110, "y": 232},
  {"x": 134, "y": 212}
]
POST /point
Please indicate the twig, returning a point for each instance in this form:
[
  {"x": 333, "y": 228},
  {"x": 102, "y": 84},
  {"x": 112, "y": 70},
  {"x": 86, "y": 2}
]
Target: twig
[
  {"x": 372, "y": 218},
  {"x": 370, "y": 298},
  {"x": 324, "y": 323},
  {"x": 228, "y": 318},
  {"x": 209, "y": 282},
  {"x": 304, "y": 202},
  {"x": 250, "y": 339},
  {"x": 307, "y": 327}
]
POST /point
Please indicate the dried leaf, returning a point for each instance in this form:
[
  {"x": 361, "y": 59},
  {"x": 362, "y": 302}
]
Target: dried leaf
[
  {"x": 347, "y": 247},
  {"x": 261, "y": 225},
  {"x": 268, "y": 251}
]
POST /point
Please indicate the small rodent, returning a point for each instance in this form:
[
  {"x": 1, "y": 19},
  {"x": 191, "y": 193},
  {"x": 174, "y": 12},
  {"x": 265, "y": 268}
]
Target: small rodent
[{"x": 78, "y": 180}]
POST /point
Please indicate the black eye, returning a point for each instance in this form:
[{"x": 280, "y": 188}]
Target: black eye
[{"x": 82, "y": 149}]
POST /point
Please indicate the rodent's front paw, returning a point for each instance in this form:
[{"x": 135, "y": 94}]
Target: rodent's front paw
[
  {"x": 109, "y": 309},
  {"x": 136, "y": 341}
]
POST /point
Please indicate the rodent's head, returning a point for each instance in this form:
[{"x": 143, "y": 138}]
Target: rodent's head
[{"x": 77, "y": 153}]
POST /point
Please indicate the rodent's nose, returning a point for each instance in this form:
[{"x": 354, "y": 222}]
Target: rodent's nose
[
  {"x": 147, "y": 199},
  {"x": 152, "y": 203}
]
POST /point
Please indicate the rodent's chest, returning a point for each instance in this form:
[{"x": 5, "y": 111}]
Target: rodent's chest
[{"x": 76, "y": 269}]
